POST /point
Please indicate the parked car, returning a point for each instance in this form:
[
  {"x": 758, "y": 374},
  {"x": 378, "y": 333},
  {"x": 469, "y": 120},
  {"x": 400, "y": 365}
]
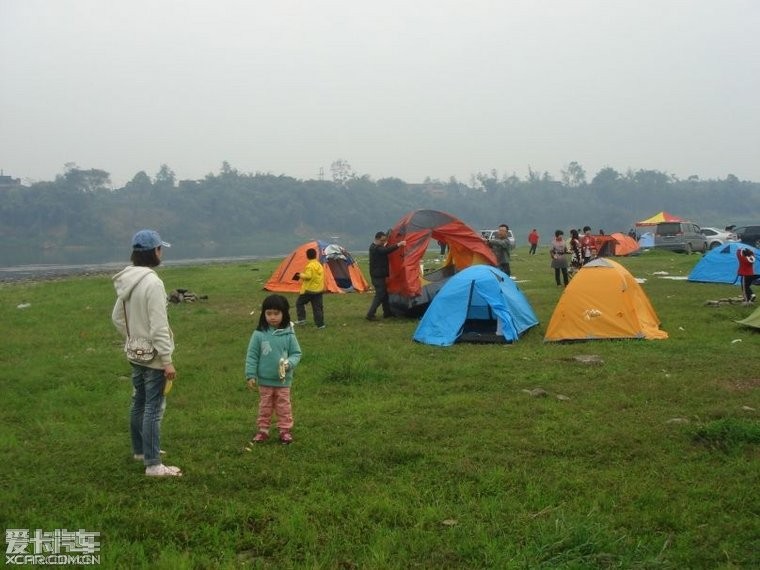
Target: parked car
[
  {"x": 716, "y": 237},
  {"x": 679, "y": 236},
  {"x": 749, "y": 235},
  {"x": 490, "y": 234}
]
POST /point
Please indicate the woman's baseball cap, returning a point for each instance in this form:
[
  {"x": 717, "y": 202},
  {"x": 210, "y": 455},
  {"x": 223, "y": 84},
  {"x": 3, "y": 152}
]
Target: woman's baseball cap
[{"x": 146, "y": 240}]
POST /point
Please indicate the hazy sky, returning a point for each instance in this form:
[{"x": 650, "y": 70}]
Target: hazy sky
[{"x": 405, "y": 88}]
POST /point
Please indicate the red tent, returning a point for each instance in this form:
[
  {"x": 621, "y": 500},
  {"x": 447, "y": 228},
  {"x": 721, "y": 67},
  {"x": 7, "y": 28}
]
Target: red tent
[{"x": 465, "y": 247}]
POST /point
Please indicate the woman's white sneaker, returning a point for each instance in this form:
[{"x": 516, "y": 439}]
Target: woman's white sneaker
[{"x": 162, "y": 470}]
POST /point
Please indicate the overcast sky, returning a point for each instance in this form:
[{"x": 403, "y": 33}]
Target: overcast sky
[{"x": 404, "y": 88}]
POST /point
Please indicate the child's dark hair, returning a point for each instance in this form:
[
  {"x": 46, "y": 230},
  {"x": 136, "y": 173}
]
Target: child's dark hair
[
  {"x": 278, "y": 303},
  {"x": 311, "y": 253}
]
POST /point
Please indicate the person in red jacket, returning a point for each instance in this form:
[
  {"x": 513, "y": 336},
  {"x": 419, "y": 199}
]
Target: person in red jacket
[
  {"x": 747, "y": 272},
  {"x": 533, "y": 241}
]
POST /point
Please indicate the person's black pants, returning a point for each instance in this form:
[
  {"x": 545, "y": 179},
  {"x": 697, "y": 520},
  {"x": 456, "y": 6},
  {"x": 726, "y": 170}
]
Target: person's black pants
[
  {"x": 316, "y": 306},
  {"x": 381, "y": 298}
]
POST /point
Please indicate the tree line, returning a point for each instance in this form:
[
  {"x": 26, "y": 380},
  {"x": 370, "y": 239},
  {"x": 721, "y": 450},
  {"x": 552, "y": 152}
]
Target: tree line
[{"x": 262, "y": 210}]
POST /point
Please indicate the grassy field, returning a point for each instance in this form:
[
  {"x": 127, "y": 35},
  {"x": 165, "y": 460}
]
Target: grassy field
[{"x": 406, "y": 455}]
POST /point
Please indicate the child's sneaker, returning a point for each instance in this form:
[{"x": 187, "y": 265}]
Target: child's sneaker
[
  {"x": 260, "y": 437},
  {"x": 286, "y": 438}
]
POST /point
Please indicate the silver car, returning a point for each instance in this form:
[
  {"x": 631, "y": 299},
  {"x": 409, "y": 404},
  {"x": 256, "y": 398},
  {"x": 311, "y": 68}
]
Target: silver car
[
  {"x": 716, "y": 237},
  {"x": 491, "y": 234}
]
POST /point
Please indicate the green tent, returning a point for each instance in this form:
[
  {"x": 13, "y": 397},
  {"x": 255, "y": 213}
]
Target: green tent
[{"x": 753, "y": 320}]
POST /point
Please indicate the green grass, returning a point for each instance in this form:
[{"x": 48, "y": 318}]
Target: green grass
[{"x": 406, "y": 455}]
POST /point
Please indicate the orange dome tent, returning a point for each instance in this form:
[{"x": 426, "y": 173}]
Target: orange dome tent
[
  {"x": 616, "y": 244},
  {"x": 342, "y": 273},
  {"x": 603, "y": 301}
]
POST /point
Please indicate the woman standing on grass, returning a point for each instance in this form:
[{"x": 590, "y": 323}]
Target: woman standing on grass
[
  {"x": 273, "y": 353},
  {"x": 559, "y": 252},
  {"x": 576, "y": 257},
  {"x": 140, "y": 313}
]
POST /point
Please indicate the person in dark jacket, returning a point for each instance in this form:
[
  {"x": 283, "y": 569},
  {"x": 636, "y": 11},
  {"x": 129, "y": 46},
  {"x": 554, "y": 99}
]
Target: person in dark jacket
[{"x": 379, "y": 272}]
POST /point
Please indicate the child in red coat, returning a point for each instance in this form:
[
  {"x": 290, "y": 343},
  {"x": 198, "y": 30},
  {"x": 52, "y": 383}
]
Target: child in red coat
[{"x": 747, "y": 272}]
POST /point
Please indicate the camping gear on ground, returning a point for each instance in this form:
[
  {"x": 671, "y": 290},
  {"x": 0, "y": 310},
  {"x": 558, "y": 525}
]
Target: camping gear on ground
[
  {"x": 478, "y": 304},
  {"x": 342, "y": 273},
  {"x": 410, "y": 292},
  {"x": 184, "y": 296},
  {"x": 137, "y": 349},
  {"x": 720, "y": 265},
  {"x": 603, "y": 301}
]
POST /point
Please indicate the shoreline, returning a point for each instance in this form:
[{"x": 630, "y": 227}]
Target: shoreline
[{"x": 47, "y": 272}]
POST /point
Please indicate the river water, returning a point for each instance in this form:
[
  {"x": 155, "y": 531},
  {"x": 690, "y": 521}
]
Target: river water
[{"x": 51, "y": 271}]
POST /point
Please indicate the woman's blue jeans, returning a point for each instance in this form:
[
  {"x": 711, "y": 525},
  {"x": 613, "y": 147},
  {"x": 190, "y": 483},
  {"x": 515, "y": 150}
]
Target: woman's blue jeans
[{"x": 148, "y": 405}]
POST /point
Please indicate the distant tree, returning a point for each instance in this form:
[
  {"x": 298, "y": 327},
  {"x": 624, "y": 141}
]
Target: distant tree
[
  {"x": 574, "y": 175},
  {"x": 87, "y": 181},
  {"x": 652, "y": 178},
  {"x": 607, "y": 176},
  {"x": 165, "y": 177},
  {"x": 391, "y": 184},
  {"x": 533, "y": 176},
  {"x": 140, "y": 182},
  {"x": 226, "y": 171},
  {"x": 342, "y": 172}
]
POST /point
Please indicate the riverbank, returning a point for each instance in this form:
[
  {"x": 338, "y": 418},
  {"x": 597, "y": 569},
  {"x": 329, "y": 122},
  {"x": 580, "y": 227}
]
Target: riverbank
[{"x": 51, "y": 271}]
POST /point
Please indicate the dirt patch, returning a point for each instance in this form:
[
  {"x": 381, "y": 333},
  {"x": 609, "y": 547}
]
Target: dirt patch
[{"x": 741, "y": 385}]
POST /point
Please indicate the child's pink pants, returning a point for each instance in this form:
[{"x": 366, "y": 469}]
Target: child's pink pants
[{"x": 275, "y": 400}]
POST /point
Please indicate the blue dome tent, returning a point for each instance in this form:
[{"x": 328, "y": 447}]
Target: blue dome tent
[
  {"x": 478, "y": 304},
  {"x": 720, "y": 265}
]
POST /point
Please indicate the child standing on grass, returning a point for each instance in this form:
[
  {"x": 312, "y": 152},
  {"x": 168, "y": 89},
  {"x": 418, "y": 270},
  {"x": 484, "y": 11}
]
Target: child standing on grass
[
  {"x": 273, "y": 353},
  {"x": 312, "y": 280},
  {"x": 746, "y": 272}
]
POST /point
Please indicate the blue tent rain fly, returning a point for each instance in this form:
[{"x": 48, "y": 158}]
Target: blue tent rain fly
[
  {"x": 478, "y": 304},
  {"x": 720, "y": 265}
]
